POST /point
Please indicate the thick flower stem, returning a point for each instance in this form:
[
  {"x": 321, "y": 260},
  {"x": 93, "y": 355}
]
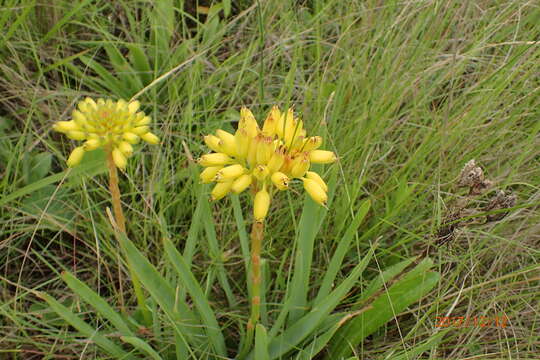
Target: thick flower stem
[
  {"x": 121, "y": 224},
  {"x": 256, "y": 244}
]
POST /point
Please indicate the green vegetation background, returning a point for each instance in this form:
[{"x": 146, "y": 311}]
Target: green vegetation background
[{"x": 406, "y": 92}]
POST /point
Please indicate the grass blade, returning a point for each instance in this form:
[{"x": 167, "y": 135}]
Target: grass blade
[{"x": 142, "y": 346}]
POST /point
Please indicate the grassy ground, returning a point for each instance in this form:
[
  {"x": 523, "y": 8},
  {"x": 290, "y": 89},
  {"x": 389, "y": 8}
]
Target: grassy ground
[{"x": 406, "y": 92}]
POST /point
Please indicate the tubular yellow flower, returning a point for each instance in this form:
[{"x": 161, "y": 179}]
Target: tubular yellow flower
[
  {"x": 315, "y": 191},
  {"x": 213, "y": 142},
  {"x": 322, "y": 157},
  {"x": 261, "y": 172},
  {"x": 230, "y": 172},
  {"x": 228, "y": 142},
  {"x": 280, "y": 180},
  {"x": 208, "y": 175},
  {"x": 215, "y": 159},
  {"x": 76, "y": 156},
  {"x": 261, "y": 204},
  {"x": 314, "y": 176},
  {"x": 113, "y": 125},
  {"x": 220, "y": 190},
  {"x": 241, "y": 183}
]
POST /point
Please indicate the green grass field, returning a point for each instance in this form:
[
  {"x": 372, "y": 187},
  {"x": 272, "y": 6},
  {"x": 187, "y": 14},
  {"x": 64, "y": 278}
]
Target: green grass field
[{"x": 404, "y": 92}]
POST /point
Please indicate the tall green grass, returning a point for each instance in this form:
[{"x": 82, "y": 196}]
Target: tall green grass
[{"x": 405, "y": 92}]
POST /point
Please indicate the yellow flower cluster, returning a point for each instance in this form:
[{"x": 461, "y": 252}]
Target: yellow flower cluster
[
  {"x": 114, "y": 125},
  {"x": 275, "y": 154}
]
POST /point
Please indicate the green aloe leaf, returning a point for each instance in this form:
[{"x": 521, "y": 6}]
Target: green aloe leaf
[
  {"x": 406, "y": 291},
  {"x": 190, "y": 282}
]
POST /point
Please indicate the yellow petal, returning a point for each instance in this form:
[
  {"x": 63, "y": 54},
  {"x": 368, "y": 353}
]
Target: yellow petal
[
  {"x": 315, "y": 191},
  {"x": 242, "y": 143},
  {"x": 220, "y": 190},
  {"x": 208, "y": 174},
  {"x": 276, "y": 160},
  {"x": 150, "y": 138},
  {"x": 322, "y": 157},
  {"x": 261, "y": 204},
  {"x": 76, "y": 156},
  {"x": 241, "y": 183},
  {"x": 280, "y": 180},
  {"x": 144, "y": 120},
  {"x": 215, "y": 159},
  {"x": 119, "y": 158}
]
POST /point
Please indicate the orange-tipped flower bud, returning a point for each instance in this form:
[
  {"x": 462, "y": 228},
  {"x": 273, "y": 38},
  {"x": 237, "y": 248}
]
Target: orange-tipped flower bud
[
  {"x": 312, "y": 143},
  {"x": 300, "y": 166}
]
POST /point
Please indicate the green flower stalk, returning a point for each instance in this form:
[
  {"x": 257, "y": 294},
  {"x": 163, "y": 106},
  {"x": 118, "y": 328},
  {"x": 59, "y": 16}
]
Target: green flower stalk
[
  {"x": 266, "y": 160},
  {"x": 114, "y": 126}
]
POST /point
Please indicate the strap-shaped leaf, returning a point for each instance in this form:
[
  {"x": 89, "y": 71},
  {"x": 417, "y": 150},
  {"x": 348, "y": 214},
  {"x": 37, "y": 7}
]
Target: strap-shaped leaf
[
  {"x": 406, "y": 291},
  {"x": 190, "y": 282}
]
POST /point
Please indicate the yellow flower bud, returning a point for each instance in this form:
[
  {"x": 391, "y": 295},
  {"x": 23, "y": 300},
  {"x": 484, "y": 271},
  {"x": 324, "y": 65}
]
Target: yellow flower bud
[
  {"x": 261, "y": 204},
  {"x": 242, "y": 143},
  {"x": 92, "y": 144},
  {"x": 300, "y": 166},
  {"x": 269, "y": 126},
  {"x": 119, "y": 158},
  {"x": 248, "y": 122},
  {"x": 280, "y": 180},
  {"x": 230, "y": 172},
  {"x": 65, "y": 126},
  {"x": 220, "y": 190},
  {"x": 125, "y": 148},
  {"x": 215, "y": 159},
  {"x": 312, "y": 143},
  {"x": 213, "y": 142},
  {"x": 276, "y": 160},
  {"x": 261, "y": 172},
  {"x": 208, "y": 174},
  {"x": 76, "y": 156},
  {"x": 314, "y": 176},
  {"x": 134, "y": 106},
  {"x": 130, "y": 138},
  {"x": 315, "y": 191},
  {"x": 322, "y": 157},
  {"x": 145, "y": 120},
  {"x": 264, "y": 148},
  {"x": 228, "y": 142},
  {"x": 76, "y": 135},
  {"x": 241, "y": 183},
  {"x": 141, "y": 130},
  {"x": 150, "y": 138}
]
